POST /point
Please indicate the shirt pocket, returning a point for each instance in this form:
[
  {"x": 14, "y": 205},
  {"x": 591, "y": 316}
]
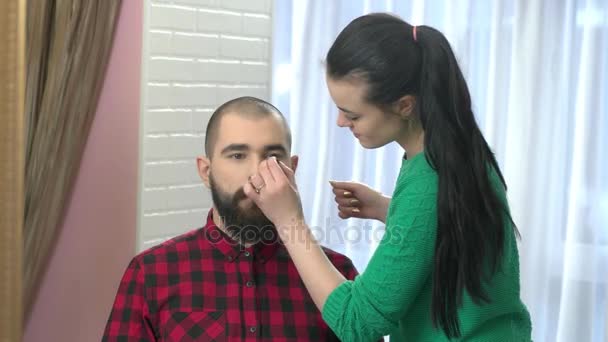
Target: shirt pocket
[{"x": 187, "y": 326}]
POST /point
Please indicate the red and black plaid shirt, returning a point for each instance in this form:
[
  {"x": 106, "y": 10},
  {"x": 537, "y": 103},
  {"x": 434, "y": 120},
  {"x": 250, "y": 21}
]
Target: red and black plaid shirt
[{"x": 202, "y": 286}]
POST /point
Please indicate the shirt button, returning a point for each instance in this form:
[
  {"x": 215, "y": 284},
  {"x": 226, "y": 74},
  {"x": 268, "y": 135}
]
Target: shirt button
[
  {"x": 229, "y": 258},
  {"x": 247, "y": 253},
  {"x": 249, "y": 283},
  {"x": 252, "y": 329}
]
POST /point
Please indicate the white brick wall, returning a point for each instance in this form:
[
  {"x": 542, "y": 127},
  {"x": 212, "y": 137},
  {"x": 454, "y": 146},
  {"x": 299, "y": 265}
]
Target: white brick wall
[{"x": 197, "y": 54}]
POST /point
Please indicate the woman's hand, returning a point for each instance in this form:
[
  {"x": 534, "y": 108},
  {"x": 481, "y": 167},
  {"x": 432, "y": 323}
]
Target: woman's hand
[
  {"x": 274, "y": 191},
  {"x": 360, "y": 201}
]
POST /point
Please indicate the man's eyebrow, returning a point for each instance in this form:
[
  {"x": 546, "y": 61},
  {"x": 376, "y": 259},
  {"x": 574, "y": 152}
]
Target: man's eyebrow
[
  {"x": 235, "y": 147},
  {"x": 275, "y": 147}
]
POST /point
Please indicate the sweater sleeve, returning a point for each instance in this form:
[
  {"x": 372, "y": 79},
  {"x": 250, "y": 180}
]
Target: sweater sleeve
[{"x": 371, "y": 306}]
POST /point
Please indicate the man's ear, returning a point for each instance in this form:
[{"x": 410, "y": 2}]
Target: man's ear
[
  {"x": 294, "y": 163},
  {"x": 405, "y": 106},
  {"x": 203, "y": 165}
]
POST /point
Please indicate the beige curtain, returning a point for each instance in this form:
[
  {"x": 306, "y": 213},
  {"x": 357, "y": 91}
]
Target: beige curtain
[
  {"x": 67, "y": 48},
  {"x": 12, "y": 83}
]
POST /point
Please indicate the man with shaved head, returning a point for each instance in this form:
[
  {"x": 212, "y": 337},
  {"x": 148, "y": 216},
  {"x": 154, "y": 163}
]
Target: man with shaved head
[{"x": 232, "y": 279}]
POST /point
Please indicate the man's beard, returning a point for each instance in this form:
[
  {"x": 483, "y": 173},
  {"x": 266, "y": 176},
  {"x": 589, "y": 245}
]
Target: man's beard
[{"x": 246, "y": 226}]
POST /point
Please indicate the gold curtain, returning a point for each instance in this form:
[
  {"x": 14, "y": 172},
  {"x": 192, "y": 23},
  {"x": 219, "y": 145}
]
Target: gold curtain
[
  {"x": 12, "y": 84},
  {"x": 68, "y": 45}
]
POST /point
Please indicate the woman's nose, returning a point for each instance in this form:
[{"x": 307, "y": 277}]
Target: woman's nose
[{"x": 342, "y": 121}]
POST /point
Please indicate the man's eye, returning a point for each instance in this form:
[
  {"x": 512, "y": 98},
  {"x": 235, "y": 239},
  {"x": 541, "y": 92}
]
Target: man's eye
[
  {"x": 354, "y": 118},
  {"x": 237, "y": 156},
  {"x": 276, "y": 155}
]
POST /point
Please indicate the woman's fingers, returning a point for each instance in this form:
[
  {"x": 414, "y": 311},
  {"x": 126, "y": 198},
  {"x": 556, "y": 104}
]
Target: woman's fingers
[
  {"x": 347, "y": 202},
  {"x": 342, "y": 192},
  {"x": 346, "y": 212}
]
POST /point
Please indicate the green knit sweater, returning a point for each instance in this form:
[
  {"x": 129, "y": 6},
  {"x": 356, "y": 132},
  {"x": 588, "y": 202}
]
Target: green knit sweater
[{"x": 393, "y": 295}]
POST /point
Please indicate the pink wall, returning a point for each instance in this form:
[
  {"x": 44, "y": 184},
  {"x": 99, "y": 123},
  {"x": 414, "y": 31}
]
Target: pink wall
[{"x": 98, "y": 235}]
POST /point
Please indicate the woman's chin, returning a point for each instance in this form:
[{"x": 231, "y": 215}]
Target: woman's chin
[{"x": 370, "y": 145}]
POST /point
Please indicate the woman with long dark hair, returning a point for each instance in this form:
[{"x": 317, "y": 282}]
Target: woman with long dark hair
[{"x": 447, "y": 267}]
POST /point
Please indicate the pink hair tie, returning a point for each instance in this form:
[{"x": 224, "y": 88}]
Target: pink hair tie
[{"x": 414, "y": 33}]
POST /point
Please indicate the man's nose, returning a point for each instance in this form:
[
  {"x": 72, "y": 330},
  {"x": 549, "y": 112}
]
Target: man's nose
[{"x": 255, "y": 164}]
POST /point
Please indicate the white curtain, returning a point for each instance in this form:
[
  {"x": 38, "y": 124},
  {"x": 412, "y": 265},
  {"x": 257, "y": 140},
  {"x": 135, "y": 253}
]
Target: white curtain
[{"x": 538, "y": 75}]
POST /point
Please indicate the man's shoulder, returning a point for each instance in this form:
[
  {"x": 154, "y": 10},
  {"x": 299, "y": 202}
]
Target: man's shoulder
[{"x": 180, "y": 243}]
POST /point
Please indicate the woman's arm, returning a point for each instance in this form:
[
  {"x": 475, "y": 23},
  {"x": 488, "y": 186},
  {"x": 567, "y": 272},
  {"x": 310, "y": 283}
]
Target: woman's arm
[{"x": 370, "y": 306}]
